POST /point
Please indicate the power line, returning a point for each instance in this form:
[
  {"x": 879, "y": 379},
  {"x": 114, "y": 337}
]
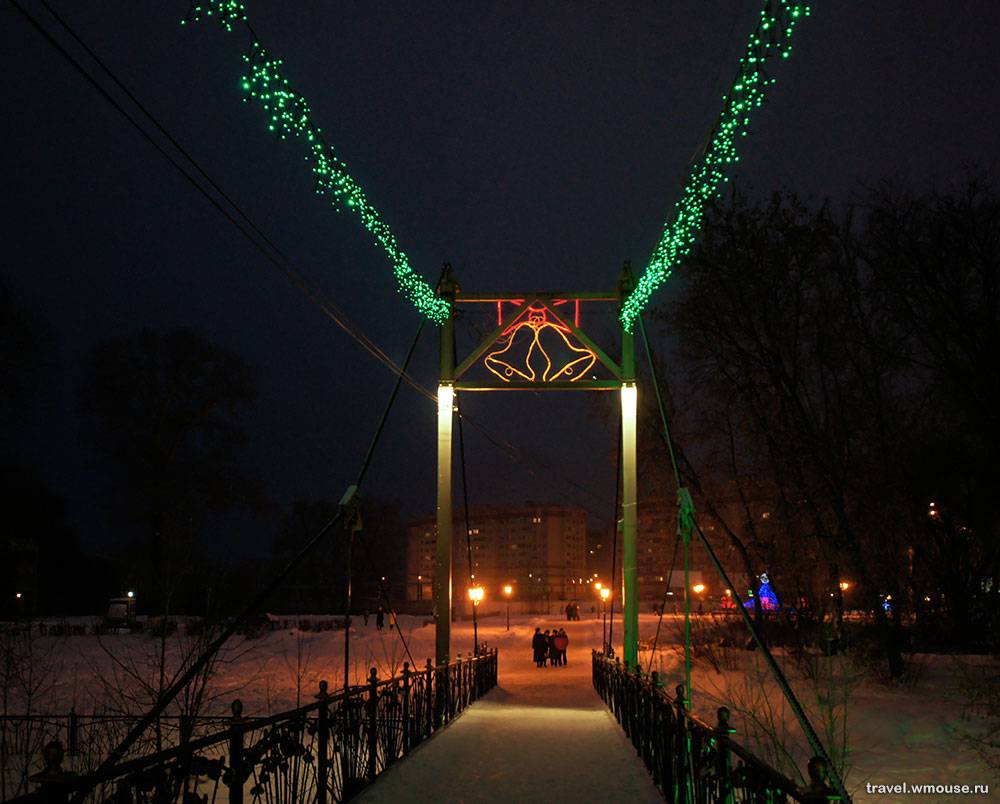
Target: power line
[
  {"x": 281, "y": 262},
  {"x": 275, "y": 256}
]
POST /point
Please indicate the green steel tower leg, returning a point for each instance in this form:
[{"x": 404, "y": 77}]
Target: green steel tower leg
[
  {"x": 630, "y": 519},
  {"x": 630, "y": 523},
  {"x": 446, "y": 405}
]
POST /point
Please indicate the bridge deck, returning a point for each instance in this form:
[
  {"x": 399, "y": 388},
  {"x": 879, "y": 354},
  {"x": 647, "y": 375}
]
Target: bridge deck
[{"x": 543, "y": 736}]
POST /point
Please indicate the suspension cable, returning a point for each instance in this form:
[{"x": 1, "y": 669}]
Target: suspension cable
[
  {"x": 609, "y": 648},
  {"x": 468, "y": 529},
  {"x": 681, "y": 536},
  {"x": 277, "y": 259},
  {"x": 663, "y": 605},
  {"x": 118, "y": 753},
  {"x": 810, "y": 733}
]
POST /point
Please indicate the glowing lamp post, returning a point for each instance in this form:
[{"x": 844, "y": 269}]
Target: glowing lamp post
[
  {"x": 605, "y": 594},
  {"x": 476, "y": 594},
  {"x": 508, "y": 590}
]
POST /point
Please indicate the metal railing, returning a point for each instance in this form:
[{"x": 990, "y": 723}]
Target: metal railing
[
  {"x": 326, "y": 751},
  {"x": 689, "y": 760}
]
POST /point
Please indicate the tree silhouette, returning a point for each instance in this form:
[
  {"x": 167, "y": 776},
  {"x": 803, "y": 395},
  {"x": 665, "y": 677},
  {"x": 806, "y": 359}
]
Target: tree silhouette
[
  {"x": 843, "y": 369},
  {"x": 163, "y": 411},
  {"x": 39, "y": 549}
]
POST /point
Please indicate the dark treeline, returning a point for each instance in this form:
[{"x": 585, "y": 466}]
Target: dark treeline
[
  {"x": 837, "y": 389},
  {"x": 163, "y": 416}
]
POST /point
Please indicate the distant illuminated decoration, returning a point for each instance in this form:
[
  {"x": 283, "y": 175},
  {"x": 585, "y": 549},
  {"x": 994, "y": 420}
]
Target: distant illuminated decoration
[
  {"x": 535, "y": 349},
  {"x": 768, "y": 600}
]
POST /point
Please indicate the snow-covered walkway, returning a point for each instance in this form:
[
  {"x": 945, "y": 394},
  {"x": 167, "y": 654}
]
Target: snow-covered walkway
[{"x": 543, "y": 735}]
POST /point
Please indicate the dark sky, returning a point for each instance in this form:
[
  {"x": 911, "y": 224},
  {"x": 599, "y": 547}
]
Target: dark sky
[{"x": 533, "y": 145}]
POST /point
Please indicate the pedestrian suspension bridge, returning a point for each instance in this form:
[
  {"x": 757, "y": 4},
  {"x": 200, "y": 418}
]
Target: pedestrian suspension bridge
[{"x": 634, "y": 736}]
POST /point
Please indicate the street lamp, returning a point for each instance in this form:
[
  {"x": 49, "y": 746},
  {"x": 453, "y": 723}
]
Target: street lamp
[
  {"x": 844, "y": 586},
  {"x": 605, "y": 594},
  {"x": 508, "y": 590},
  {"x": 476, "y": 594}
]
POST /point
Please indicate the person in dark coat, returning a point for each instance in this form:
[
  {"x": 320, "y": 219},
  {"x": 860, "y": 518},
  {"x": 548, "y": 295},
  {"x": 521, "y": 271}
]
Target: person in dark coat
[
  {"x": 380, "y": 619},
  {"x": 548, "y": 655},
  {"x": 538, "y": 647}
]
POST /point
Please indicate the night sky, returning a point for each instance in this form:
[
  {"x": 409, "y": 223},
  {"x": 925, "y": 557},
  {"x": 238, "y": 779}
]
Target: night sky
[{"x": 532, "y": 145}]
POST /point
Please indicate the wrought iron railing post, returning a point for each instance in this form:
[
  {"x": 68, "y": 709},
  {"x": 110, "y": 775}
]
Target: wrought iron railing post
[
  {"x": 74, "y": 733},
  {"x": 616, "y": 681},
  {"x": 724, "y": 765},
  {"x": 654, "y": 728},
  {"x": 430, "y": 694},
  {"x": 646, "y": 720},
  {"x": 323, "y": 729},
  {"x": 406, "y": 708},
  {"x": 440, "y": 693},
  {"x": 682, "y": 756},
  {"x": 460, "y": 670},
  {"x": 372, "y": 723},
  {"x": 452, "y": 688},
  {"x": 236, "y": 761}
]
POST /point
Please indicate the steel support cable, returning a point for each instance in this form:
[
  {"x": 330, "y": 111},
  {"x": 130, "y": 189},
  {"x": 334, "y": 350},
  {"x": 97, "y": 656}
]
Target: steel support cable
[
  {"x": 281, "y": 262},
  {"x": 668, "y": 441},
  {"x": 663, "y": 605},
  {"x": 609, "y": 648},
  {"x": 118, "y": 753},
  {"x": 810, "y": 733},
  {"x": 368, "y": 456},
  {"x": 468, "y": 529},
  {"x": 293, "y": 275},
  {"x": 152, "y": 118},
  {"x": 350, "y": 540}
]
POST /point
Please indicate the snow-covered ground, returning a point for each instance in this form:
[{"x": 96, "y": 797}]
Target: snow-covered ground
[
  {"x": 543, "y": 736},
  {"x": 906, "y": 733}
]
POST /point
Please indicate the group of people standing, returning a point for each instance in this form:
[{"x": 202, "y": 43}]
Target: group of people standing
[{"x": 549, "y": 647}]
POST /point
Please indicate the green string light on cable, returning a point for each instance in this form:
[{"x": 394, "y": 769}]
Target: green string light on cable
[
  {"x": 289, "y": 115},
  {"x": 771, "y": 38},
  {"x": 227, "y": 12}
]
